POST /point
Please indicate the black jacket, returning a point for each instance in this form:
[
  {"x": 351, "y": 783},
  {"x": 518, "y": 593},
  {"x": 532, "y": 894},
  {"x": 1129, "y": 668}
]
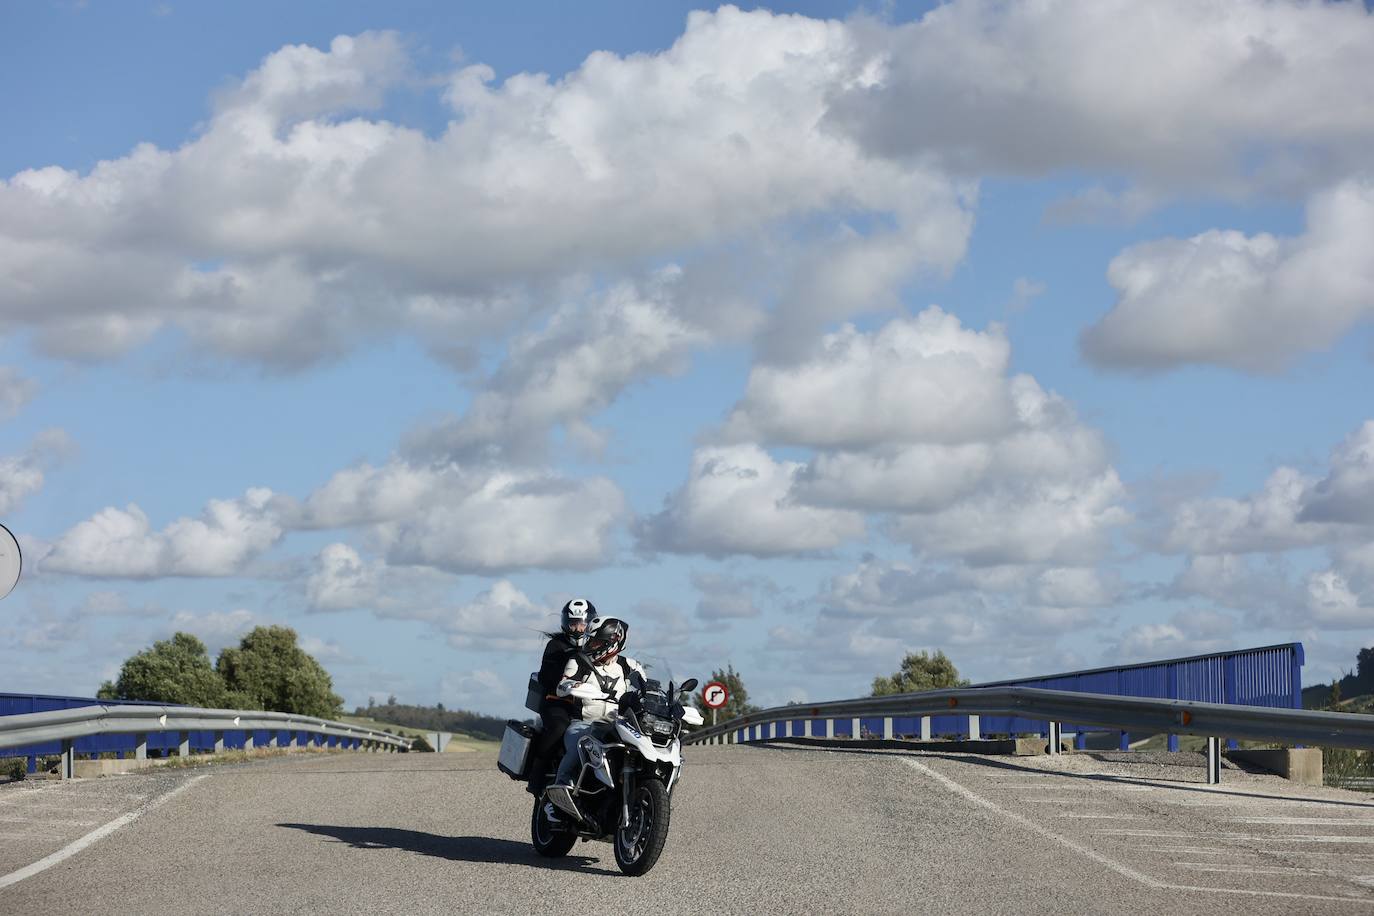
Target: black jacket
[{"x": 557, "y": 651}]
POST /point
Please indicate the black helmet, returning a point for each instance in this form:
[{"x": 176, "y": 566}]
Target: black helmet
[
  {"x": 605, "y": 637},
  {"x": 578, "y": 610}
]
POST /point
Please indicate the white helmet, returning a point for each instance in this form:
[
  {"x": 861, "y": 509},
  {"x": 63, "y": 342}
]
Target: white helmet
[{"x": 575, "y": 612}]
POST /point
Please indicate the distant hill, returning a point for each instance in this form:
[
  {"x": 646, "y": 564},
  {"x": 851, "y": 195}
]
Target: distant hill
[
  {"x": 437, "y": 719},
  {"x": 1354, "y": 685}
]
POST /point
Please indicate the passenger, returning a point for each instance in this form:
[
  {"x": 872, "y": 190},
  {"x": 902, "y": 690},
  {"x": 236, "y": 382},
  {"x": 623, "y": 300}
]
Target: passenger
[
  {"x": 601, "y": 686},
  {"x": 556, "y": 711}
]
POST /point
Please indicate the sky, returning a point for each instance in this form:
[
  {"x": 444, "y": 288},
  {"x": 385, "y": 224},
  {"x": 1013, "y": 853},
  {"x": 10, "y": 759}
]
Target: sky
[{"x": 799, "y": 337}]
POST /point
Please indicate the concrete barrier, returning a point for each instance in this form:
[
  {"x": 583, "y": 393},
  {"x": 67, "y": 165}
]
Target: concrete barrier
[{"x": 1302, "y": 765}]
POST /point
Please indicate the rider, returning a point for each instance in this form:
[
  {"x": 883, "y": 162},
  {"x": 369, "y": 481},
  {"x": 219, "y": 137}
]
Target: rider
[
  {"x": 555, "y": 711},
  {"x": 601, "y": 687}
]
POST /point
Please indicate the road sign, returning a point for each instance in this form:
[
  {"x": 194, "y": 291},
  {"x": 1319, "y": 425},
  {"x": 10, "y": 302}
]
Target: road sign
[
  {"x": 10, "y": 561},
  {"x": 438, "y": 740},
  {"x": 714, "y": 695}
]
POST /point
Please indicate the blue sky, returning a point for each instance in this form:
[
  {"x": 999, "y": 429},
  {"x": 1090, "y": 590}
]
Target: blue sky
[{"x": 799, "y": 336}]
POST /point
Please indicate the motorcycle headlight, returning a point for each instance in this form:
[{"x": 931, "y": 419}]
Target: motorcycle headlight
[{"x": 656, "y": 725}]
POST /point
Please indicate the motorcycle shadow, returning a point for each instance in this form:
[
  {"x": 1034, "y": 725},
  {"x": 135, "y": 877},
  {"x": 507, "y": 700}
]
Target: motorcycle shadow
[{"x": 453, "y": 848}]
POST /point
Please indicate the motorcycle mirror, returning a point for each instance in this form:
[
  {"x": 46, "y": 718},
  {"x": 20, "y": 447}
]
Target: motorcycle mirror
[{"x": 688, "y": 685}]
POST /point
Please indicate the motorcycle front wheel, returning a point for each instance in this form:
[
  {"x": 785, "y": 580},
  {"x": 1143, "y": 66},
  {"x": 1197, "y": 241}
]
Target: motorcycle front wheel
[
  {"x": 549, "y": 841},
  {"x": 638, "y": 845}
]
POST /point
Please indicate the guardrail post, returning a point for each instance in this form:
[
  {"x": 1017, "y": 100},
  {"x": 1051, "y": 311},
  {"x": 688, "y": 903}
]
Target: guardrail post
[
  {"x": 787, "y": 729},
  {"x": 1213, "y": 761},
  {"x": 925, "y": 728},
  {"x": 272, "y": 738},
  {"x": 772, "y": 729},
  {"x": 830, "y": 728},
  {"x": 219, "y": 742},
  {"x": 66, "y": 768},
  {"x": 854, "y": 729},
  {"x": 1056, "y": 734},
  {"x": 183, "y": 744},
  {"x": 806, "y": 729},
  {"x": 887, "y": 728},
  {"x": 975, "y": 728},
  {"x": 1125, "y": 741},
  {"x": 248, "y": 740},
  {"x": 141, "y": 746},
  {"x": 1173, "y": 742}
]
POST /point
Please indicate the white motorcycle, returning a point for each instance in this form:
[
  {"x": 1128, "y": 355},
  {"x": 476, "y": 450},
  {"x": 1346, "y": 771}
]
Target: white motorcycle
[{"x": 623, "y": 790}]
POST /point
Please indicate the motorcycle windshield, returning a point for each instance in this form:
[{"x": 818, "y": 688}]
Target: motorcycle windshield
[{"x": 657, "y": 668}]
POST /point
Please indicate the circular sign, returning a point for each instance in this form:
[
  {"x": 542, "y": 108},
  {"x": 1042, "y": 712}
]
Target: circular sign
[
  {"x": 714, "y": 695},
  {"x": 10, "y": 561}
]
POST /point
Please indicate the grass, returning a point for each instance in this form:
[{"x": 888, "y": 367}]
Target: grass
[{"x": 458, "y": 744}]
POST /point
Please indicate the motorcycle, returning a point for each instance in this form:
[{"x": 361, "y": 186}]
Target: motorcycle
[{"x": 628, "y": 770}]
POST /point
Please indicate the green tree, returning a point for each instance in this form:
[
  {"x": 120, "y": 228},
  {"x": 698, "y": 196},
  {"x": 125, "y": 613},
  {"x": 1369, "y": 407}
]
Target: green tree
[
  {"x": 175, "y": 670},
  {"x": 270, "y": 671},
  {"x": 920, "y": 671},
  {"x": 738, "y": 702}
]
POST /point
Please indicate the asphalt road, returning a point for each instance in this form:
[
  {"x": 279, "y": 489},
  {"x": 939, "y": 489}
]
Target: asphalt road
[{"x": 755, "y": 830}]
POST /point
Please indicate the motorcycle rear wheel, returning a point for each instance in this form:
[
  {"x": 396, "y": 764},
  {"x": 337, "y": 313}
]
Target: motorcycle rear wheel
[
  {"x": 638, "y": 846},
  {"x": 549, "y": 841}
]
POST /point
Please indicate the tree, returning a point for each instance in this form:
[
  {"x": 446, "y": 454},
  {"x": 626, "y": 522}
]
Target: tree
[
  {"x": 920, "y": 671},
  {"x": 272, "y": 672},
  {"x": 175, "y": 670},
  {"x": 737, "y": 704}
]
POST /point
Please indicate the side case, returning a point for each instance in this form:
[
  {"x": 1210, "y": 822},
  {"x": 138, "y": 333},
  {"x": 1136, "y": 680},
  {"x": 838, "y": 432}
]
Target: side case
[
  {"x": 515, "y": 749},
  {"x": 534, "y": 693}
]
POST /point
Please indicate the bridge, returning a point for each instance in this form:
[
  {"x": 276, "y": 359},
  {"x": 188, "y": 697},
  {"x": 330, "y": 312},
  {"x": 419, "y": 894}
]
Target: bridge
[
  {"x": 767, "y": 827},
  {"x": 793, "y": 809}
]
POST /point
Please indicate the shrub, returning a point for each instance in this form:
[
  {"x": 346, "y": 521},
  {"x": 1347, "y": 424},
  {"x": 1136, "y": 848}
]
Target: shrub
[
  {"x": 420, "y": 745},
  {"x": 15, "y": 768}
]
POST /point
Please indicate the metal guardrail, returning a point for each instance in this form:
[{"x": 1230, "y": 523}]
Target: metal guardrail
[
  {"x": 65, "y": 725},
  {"x": 1132, "y": 714}
]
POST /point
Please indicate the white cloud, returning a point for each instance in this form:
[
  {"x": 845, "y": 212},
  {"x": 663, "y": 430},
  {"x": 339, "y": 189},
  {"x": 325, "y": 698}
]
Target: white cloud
[
  {"x": 287, "y": 214},
  {"x": 1247, "y": 302},
  {"x": 726, "y": 597},
  {"x": 1333, "y": 604},
  {"x": 1292, "y": 510},
  {"x": 737, "y": 500},
  {"x": 217, "y": 629},
  {"x": 501, "y": 618},
  {"x": 1346, "y": 493},
  {"x": 15, "y": 391},
  {"x": 1265, "y": 593},
  {"x": 1187, "y": 633},
  {"x": 577, "y": 364},
  {"x": 477, "y": 519},
  {"x": 1176, "y": 93},
  {"x": 924, "y": 379},
  {"x": 121, "y": 543},
  {"x": 512, "y": 521},
  {"x": 341, "y": 580},
  {"x": 23, "y": 475},
  {"x": 478, "y": 690}
]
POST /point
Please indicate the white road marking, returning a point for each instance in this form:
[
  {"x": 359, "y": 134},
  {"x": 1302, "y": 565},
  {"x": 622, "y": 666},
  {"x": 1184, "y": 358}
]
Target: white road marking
[
  {"x": 1105, "y": 817},
  {"x": 55, "y": 822},
  {"x": 1073, "y": 787},
  {"x": 1250, "y": 837},
  {"x": 1200, "y": 850},
  {"x": 99, "y": 833},
  {"x": 1303, "y": 821},
  {"x": 1246, "y": 869},
  {"x": 1097, "y": 857}
]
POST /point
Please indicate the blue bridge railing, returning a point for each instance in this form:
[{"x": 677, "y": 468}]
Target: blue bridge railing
[
  {"x": 125, "y": 745},
  {"x": 1265, "y": 676}
]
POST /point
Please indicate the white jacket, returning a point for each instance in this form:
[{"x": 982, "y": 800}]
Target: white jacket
[{"x": 599, "y": 703}]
